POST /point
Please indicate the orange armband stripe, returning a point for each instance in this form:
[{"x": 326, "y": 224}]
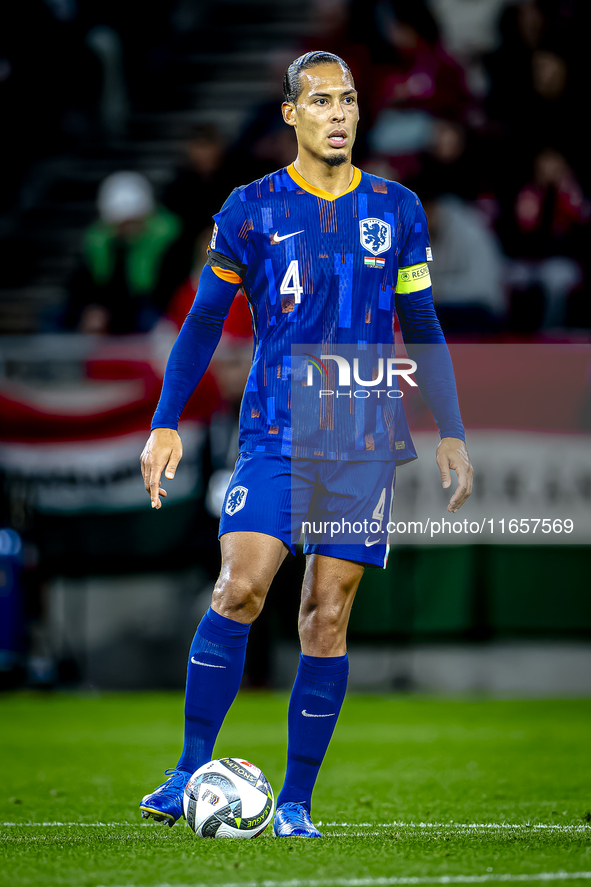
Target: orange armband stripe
[{"x": 225, "y": 274}]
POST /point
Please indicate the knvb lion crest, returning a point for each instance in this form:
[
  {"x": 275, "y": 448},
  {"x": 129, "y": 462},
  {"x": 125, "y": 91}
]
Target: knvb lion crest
[
  {"x": 236, "y": 499},
  {"x": 375, "y": 235}
]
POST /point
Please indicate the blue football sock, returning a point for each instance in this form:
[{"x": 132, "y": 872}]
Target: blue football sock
[
  {"x": 314, "y": 707},
  {"x": 214, "y": 673}
]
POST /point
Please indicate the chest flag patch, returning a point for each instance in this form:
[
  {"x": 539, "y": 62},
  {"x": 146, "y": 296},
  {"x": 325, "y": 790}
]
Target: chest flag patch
[{"x": 375, "y": 235}]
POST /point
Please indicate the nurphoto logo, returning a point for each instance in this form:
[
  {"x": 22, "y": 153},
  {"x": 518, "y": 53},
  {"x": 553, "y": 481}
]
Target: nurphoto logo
[{"x": 385, "y": 373}]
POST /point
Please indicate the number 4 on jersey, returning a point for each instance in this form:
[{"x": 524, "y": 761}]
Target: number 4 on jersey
[{"x": 290, "y": 285}]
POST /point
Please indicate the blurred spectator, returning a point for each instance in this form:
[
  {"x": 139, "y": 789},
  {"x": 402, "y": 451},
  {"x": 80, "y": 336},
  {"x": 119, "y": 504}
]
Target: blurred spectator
[
  {"x": 201, "y": 183},
  {"x": 550, "y": 210},
  {"x": 452, "y": 163},
  {"x": 275, "y": 147},
  {"x": 531, "y": 80},
  {"x": 544, "y": 231},
  {"x": 134, "y": 258},
  {"x": 521, "y": 27},
  {"x": 417, "y": 73},
  {"x": 467, "y": 267},
  {"x": 468, "y": 28},
  {"x": 414, "y": 81}
]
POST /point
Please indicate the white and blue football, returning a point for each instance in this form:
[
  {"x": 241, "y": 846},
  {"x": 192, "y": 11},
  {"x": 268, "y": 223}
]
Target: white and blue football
[{"x": 228, "y": 798}]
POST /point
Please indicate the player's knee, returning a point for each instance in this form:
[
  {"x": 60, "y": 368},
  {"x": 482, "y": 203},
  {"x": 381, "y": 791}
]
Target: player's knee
[
  {"x": 323, "y": 630},
  {"x": 239, "y": 597},
  {"x": 324, "y": 614},
  {"x": 326, "y": 608}
]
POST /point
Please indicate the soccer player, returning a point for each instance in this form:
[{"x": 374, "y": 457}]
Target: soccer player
[{"x": 325, "y": 253}]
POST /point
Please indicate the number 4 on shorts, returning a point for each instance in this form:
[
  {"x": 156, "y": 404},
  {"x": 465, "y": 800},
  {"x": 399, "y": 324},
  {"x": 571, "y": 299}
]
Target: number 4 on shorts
[{"x": 378, "y": 512}]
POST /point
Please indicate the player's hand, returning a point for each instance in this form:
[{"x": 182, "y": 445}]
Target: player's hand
[
  {"x": 452, "y": 455},
  {"x": 163, "y": 450}
]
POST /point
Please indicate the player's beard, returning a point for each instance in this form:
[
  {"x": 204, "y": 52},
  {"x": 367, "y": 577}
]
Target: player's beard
[{"x": 335, "y": 159}]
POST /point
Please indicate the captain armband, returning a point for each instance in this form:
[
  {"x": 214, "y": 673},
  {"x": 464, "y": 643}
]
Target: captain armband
[
  {"x": 413, "y": 278},
  {"x": 225, "y": 268}
]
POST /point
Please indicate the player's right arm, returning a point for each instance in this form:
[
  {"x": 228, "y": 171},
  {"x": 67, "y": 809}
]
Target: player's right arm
[
  {"x": 188, "y": 361},
  {"x": 191, "y": 353}
]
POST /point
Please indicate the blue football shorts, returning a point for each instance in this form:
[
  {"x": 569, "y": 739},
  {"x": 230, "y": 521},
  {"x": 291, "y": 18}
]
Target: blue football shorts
[{"x": 339, "y": 509}]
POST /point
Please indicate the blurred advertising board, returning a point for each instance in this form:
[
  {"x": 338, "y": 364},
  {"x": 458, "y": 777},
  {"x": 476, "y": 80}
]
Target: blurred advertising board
[
  {"x": 75, "y": 414},
  {"x": 527, "y": 414},
  {"x": 73, "y": 446}
]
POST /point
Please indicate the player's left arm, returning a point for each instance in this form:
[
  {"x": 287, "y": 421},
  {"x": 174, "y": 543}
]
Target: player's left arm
[
  {"x": 426, "y": 344},
  {"x": 435, "y": 378}
]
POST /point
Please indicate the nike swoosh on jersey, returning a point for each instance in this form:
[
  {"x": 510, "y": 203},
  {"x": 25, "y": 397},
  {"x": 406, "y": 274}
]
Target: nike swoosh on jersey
[
  {"x": 277, "y": 239},
  {"x": 369, "y": 542},
  {"x": 207, "y": 664},
  {"x": 307, "y": 714}
]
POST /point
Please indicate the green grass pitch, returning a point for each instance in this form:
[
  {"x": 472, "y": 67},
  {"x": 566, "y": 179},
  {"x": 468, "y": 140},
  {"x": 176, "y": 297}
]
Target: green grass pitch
[{"x": 413, "y": 790}]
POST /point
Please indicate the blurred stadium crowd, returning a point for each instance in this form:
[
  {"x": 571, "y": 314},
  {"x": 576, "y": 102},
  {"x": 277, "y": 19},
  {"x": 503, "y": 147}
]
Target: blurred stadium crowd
[
  {"x": 475, "y": 104},
  {"x": 124, "y": 128}
]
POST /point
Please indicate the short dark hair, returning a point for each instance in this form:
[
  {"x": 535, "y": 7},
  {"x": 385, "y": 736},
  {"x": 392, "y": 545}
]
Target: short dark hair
[{"x": 292, "y": 86}]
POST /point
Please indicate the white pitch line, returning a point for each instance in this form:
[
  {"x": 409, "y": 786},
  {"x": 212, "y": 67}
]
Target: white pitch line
[
  {"x": 70, "y": 824},
  {"x": 472, "y": 826},
  {"x": 400, "y": 882},
  {"x": 462, "y": 825},
  {"x": 352, "y": 834}
]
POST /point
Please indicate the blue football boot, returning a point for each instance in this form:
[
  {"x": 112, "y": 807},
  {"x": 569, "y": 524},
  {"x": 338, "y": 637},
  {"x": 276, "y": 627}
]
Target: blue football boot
[
  {"x": 293, "y": 821},
  {"x": 165, "y": 803}
]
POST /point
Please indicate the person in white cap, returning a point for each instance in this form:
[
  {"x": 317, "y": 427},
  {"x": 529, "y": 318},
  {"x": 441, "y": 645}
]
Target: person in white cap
[{"x": 134, "y": 257}]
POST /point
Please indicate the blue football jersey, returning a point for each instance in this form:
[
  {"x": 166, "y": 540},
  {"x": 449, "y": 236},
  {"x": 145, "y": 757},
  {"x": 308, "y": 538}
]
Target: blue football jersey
[{"x": 322, "y": 271}]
